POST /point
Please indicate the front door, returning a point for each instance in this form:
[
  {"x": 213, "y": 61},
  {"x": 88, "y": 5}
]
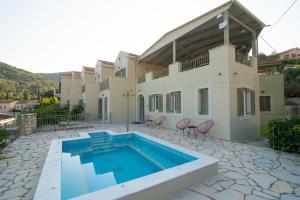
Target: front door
[
  {"x": 100, "y": 108},
  {"x": 141, "y": 108}
]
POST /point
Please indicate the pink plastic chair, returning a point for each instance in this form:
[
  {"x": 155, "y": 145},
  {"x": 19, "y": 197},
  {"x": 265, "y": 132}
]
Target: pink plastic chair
[
  {"x": 158, "y": 121},
  {"x": 204, "y": 128},
  {"x": 183, "y": 124},
  {"x": 145, "y": 119}
]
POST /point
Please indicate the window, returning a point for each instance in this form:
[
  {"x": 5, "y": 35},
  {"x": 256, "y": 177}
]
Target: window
[
  {"x": 265, "y": 103},
  {"x": 245, "y": 102},
  {"x": 286, "y": 56},
  {"x": 294, "y": 55},
  {"x": 173, "y": 100},
  {"x": 155, "y": 103},
  {"x": 121, "y": 72},
  {"x": 203, "y": 101}
]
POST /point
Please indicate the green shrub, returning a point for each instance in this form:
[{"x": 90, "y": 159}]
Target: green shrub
[
  {"x": 283, "y": 135},
  {"x": 77, "y": 109},
  {"x": 4, "y": 138}
]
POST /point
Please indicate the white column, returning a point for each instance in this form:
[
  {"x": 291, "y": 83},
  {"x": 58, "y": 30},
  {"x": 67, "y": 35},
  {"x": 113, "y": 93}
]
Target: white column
[
  {"x": 226, "y": 28},
  {"x": 174, "y": 51},
  {"x": 254, "y": 49}
]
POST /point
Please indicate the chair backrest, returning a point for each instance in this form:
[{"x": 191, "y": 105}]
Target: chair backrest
[
  {"x": 204, "y": 127},
  {"x": 159, "y": 120},
  {"x": 182, "y": 124},
  {"x": 145, "y": 119}
]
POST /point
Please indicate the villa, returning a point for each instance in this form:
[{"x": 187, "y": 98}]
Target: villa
[{"x": 200, "y": 70}]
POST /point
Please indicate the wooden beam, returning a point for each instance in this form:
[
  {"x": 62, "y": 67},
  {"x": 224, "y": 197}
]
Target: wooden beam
[{"x": 241, "y": 23}]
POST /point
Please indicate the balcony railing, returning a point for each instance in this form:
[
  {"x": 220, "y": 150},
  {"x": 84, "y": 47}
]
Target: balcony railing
[
  {"x": 141, "y": 79},
  {"x": 194, "y": 63},
  {"x": 243, "y": 59},
  {"x": 159, "y": 74},
  {"x": 104, "y": 85}
]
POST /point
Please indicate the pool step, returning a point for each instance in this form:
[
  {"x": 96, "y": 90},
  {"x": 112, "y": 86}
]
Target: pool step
[{"x": 104, "y": 150}]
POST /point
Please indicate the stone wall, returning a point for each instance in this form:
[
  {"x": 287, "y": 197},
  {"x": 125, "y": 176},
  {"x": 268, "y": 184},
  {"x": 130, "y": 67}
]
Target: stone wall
[{"x": 28, "y": 123}]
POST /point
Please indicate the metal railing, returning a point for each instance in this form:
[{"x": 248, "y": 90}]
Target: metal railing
[
  {"x": 243, "y": 59},
  {"x": 195, "y": 63},
  {"x": 65, "y": 122},
  {"x": 160, "y": 74},
  {"x": 104, "y": 84},
  {"x": 141, "y": 79}
]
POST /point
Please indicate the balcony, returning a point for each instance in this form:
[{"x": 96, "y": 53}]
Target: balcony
[
  {"x": 104, "y": 85},
  {"x": 243, "y": 59},
  {"x": 160, "y": 74},
  {"x": 195, "y": 63}
]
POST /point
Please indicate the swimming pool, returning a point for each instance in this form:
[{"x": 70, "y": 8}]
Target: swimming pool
[{"x": 131, "y": 164}]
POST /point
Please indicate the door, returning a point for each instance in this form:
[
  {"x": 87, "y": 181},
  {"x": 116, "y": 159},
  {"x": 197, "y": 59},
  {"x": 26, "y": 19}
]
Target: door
[
  {"x": 100, "y": 108},
  {"x": 105, "y": 109},
  {"x": 141, "y": 107}
]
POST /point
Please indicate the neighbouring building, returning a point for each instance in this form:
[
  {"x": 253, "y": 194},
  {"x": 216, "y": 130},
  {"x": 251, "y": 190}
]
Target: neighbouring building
[
  {"x": 7, "y": 105},
  {"x": 69, "y": 89},
  {"x": 201, "y": 70},
  {"x": 290, "y": 54}
]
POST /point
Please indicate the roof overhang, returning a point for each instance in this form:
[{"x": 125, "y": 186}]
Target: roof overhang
[{"x": 203, "y": 33}]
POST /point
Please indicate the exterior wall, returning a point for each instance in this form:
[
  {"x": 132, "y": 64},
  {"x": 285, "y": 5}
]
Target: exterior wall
[
  {"x": 245, "y": 127},
  {"x": 292, "y": 53},
  {"x": 75, "y": 92},
  {"x": 66, "y": 82},
  {"x": 223, "y": 85},
  {"x": 272, "y": 85},
  {"x": 91, "y": 94}
]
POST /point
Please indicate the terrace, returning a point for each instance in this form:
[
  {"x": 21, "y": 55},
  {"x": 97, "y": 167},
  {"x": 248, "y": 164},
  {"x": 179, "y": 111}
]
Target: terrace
[{"x": 245, "y": 171}]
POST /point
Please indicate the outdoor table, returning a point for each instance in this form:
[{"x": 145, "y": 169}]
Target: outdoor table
[
  {"x": 192, "y": 127},
  {"x": 149, "y": 122}
]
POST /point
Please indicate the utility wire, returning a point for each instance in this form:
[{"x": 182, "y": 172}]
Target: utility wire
[
  {"x": 285, "y": 12},
  {"x": 277, "y": 21}
]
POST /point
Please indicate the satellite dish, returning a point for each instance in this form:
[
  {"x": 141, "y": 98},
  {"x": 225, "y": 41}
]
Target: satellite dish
[{"x": 223, "y": 24}]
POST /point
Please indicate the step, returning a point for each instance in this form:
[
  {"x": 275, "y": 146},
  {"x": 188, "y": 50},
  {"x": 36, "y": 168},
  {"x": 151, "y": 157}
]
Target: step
[
  {"x": 104, "y": 150},
  {"x": 101, "y": 147}
]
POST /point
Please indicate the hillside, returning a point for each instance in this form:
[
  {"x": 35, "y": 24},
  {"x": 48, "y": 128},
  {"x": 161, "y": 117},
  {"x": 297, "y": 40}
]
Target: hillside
[
  {"x": 16, "y": 83},
  {"x": 51, "y": 76}
]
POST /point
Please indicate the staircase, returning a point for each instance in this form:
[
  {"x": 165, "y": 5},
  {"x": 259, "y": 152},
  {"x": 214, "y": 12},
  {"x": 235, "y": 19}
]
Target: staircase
[{"x": 101, "y": 144}]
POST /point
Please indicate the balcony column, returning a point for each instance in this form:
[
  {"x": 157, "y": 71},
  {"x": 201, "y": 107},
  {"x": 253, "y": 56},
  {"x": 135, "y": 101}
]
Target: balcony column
[
  {"x": 226, "y": 28},
  {"x": 174, "y": 51},
  {"x": 254, "y": 49}
]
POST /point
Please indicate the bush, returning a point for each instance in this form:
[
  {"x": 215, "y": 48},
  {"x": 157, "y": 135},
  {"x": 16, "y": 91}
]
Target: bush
[
  {"x": 286, "y": 135},
  {"x": 77, "y": 109},
  {"x": 4, "y": 138}
]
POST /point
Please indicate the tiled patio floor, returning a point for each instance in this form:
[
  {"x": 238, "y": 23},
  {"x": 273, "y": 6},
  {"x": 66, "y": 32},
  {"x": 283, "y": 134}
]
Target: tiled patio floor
[{"x": 245, "y": 171}]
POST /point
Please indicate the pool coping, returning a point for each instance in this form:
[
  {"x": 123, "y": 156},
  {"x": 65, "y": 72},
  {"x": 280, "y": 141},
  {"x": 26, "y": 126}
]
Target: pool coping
[{"x": 49, "y": 186}]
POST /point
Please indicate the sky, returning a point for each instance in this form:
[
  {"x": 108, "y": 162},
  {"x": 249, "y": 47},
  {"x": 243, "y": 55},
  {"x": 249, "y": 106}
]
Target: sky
[{"x": 64, "y": 35}]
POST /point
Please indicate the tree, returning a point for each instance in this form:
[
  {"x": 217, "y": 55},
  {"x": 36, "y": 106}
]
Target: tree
[
  {"x": 25, "y": 96},
  {"x": 54, "y": 100}
]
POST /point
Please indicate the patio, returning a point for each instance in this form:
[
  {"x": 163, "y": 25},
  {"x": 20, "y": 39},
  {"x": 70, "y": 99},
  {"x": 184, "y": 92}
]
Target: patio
[{"x": 245, "y": 171}]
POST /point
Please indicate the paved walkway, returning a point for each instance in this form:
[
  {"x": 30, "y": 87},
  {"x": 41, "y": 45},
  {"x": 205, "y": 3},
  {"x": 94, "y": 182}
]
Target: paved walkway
[{"x": 245, "y": 171}]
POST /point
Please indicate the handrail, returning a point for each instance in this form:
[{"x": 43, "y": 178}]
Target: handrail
[
  {"x": 141, "y": 79},
  {"x": 194, "y": 63}
]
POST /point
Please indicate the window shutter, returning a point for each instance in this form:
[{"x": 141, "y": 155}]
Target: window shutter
[
  {"x": 252, "y": 102},
  {"x": 168, "y": 98},
  {"x": 178, "y": 102},
  {"x": 160, "y": 102},
  {"x": 150, "y": 103},
  {"x": 240, "y": 101}
]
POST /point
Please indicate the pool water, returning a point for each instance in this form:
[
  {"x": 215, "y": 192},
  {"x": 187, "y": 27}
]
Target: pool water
[{"x": 104, "y": 160}]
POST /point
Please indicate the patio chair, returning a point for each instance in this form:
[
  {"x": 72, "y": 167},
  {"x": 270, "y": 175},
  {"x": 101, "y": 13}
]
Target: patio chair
[
  {"x": 205, "y": 127},
  {"x": 145, "y": 119},
  {"x": 158, "y": 121},
  {"x": 183, "y": 124}
]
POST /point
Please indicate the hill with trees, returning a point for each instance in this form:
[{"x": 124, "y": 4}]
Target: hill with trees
[{"x": 17, "y": 83}]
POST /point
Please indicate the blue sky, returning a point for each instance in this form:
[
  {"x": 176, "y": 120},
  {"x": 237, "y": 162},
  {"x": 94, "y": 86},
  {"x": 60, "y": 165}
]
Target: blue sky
[{"x": 64, "y": 35}]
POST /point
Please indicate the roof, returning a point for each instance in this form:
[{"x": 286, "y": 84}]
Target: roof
[
  {"x": 106, "y": 62},
  {"x": 203, "y": 32},
  {"x": 88, "y": 69},
  {"x": 7, "y": 101},
  {"x": 66, "y": 74},
  {"x": 292, "y": 49}
]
